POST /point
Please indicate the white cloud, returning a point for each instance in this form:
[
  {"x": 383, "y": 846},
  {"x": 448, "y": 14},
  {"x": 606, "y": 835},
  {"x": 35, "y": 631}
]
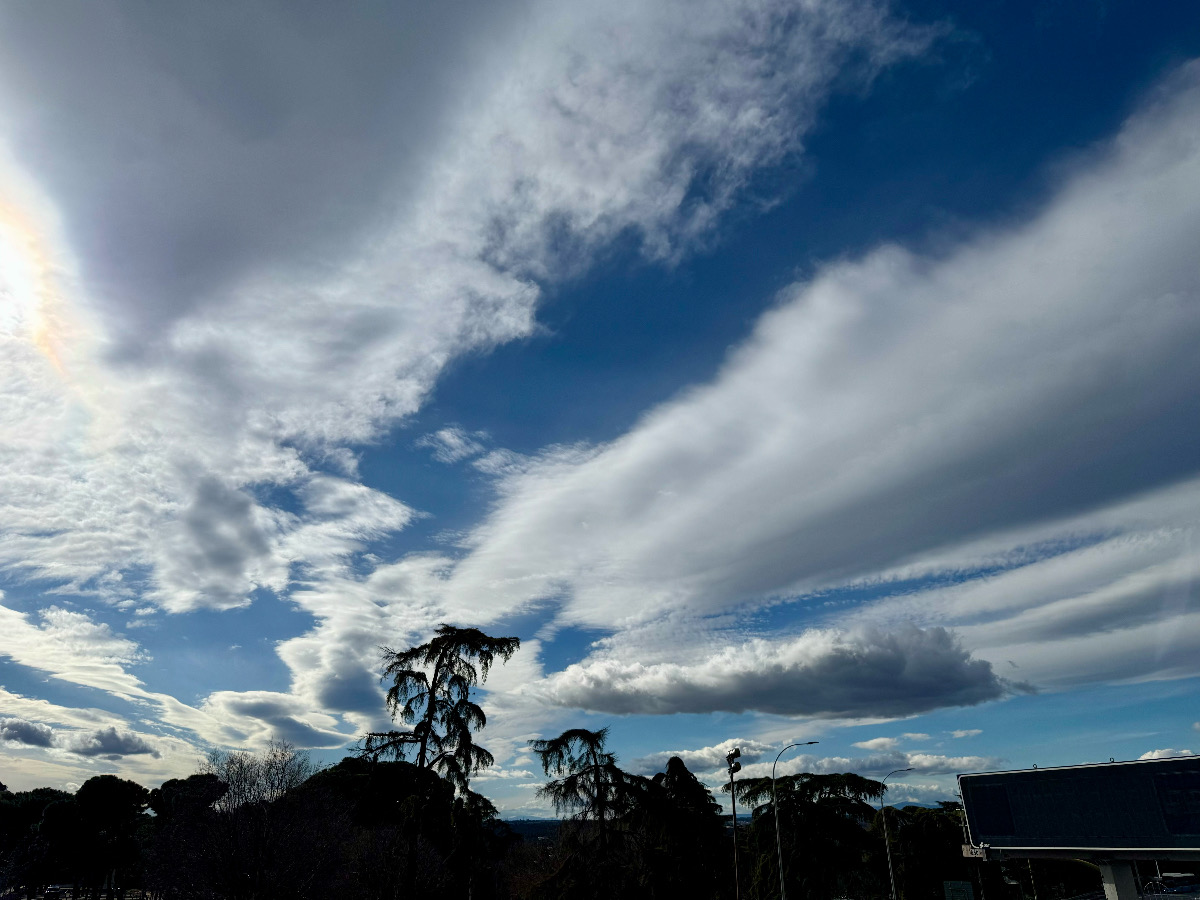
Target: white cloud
[
  {"x": 966, "y": 732},
  {"x": 449, "y": 445},
  {"x": 706, "y": 758},
  {"x": 501, "y": 462},
  {"x": 192, "y": 345},
  {"x": 586, "y": 125},
  {"x": 500, "y": 773},
  {"x": 880, "y": 743},
  {"x": 43, "y": 711},
  {"x": 710, "y": 765},
  {"x": 921, "y": 763},
  {"x": 72, "y": 647},
  {"x": 900, "y": 416},
  {"x": 262, "y": 716},
  {"x": 926, "y": 794},
  {"x": 1165, "y": 753}
]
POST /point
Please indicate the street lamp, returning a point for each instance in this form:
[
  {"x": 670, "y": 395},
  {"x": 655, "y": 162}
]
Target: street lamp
[
  {"x": 734, "y": 766},
  {"x": 886, "y": 840},
  {"x": 775, "y": 806}
]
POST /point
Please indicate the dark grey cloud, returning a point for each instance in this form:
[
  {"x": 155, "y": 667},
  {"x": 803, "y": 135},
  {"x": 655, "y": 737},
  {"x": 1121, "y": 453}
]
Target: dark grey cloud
[
  {"x": 26, "y": 733},
  {"x": 875, "y": 673},
  {"x": 222, "y": 531},
  {"x": 301, "y": 734},
  {"x": 110, "y": 744},
  {"x": 187, "y": 143},
  {"x": 353, "y": 689},
  {"x": 278, "y": 714}
]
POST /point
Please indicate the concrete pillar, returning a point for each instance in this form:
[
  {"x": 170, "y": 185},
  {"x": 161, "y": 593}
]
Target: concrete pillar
[{"x": 1120, "y": 883}]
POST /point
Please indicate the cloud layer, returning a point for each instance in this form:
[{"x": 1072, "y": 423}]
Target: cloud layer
[
  {"x": 821, "y": 673},
  {"x": 1017, "y": 413},
  {"x": 757, "y": 760},
  {"x": 192, "y": 353},
  {"x": 193, "y": 347},
  {"x": 108, "y": 743}
]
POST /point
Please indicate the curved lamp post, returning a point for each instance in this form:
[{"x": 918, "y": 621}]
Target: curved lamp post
[
  {"x": 775, "y": 806},
  {"x": 886, "y": 840}
]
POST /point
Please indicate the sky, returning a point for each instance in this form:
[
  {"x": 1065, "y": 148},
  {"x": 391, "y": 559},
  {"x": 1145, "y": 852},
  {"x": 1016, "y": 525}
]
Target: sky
[{"x": 776, "y": 371}]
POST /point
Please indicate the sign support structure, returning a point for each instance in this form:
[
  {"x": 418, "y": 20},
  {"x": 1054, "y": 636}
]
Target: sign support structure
[{"x": 1111, "y": 814}]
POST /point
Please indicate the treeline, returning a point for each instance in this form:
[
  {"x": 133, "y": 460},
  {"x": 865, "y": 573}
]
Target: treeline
[
  {"x": 256, "y": 826},
  {"x": 270, "y": 826},
  {"x": 399, "y": 819}
]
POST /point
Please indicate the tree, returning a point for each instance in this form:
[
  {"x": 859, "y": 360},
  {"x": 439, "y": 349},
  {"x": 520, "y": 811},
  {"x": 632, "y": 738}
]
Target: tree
[
  {"x": 183, "y": 861},
  {"x": 24, "y": 855},
  {"x": 110, "y": 814},
  {"x": 253, "y": 829},
  {"x": 589, "y": 783},
  {"x": 685, "y": 845},
  {"x": 823, "y": 820},
  {"x": 599, "y": 851},
  {"x": 686, "y": 793},
  {"x": 431, "y": 691},
  {"x": 257, "y": 778}
]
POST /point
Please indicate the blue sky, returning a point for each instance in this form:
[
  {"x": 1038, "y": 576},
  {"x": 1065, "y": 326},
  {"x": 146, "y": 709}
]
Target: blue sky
[{"x": 775, "y": 371}]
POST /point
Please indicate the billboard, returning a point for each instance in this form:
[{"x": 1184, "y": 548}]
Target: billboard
[{"x": 1144, "y": 805}]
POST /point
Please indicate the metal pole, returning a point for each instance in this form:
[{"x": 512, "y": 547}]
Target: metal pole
[
  {"x": 887, "y": 842},
  {"x": 775, "y": 806},
  {"x": 733, "y": 799}
]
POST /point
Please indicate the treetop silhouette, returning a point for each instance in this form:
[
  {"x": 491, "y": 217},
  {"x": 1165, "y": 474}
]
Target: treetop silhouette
[
  {"x": 589, "y": 783},
  {"x": 431, "y": 691}
]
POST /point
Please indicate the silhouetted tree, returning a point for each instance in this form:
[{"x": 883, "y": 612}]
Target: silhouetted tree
[
  {"x": 24, "y": 853},
  {"x": 396, "y": 830},
  {"x": 396, "y": 826},
  {"x": 589, "y": 784},
  {"x": 59, "y": 832},
  {"x": 824, "y": 835},
  {"x": 685, "y": 841},
  {"x": 110, "y": 819},
  {"x": 253, "y": 830},
  {"x": 602, "y": 799},
  {"x": 258, "y": 777},
  {"x": 183, "y": 859},
  {"x": 431, "y": 691}
]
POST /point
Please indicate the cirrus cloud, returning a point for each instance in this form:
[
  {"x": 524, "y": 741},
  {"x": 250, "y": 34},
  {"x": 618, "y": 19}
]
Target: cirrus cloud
[{"x": 969, "y": 420}]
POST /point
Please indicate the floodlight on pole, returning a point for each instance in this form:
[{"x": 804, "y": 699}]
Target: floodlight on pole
[
  {"x": 886, "y": 840},
  {"x": 734, "y": 766},
  {"x": 775, "y": 806}
]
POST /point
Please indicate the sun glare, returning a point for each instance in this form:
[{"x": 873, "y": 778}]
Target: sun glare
[{"x": 27, "y": 289}]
